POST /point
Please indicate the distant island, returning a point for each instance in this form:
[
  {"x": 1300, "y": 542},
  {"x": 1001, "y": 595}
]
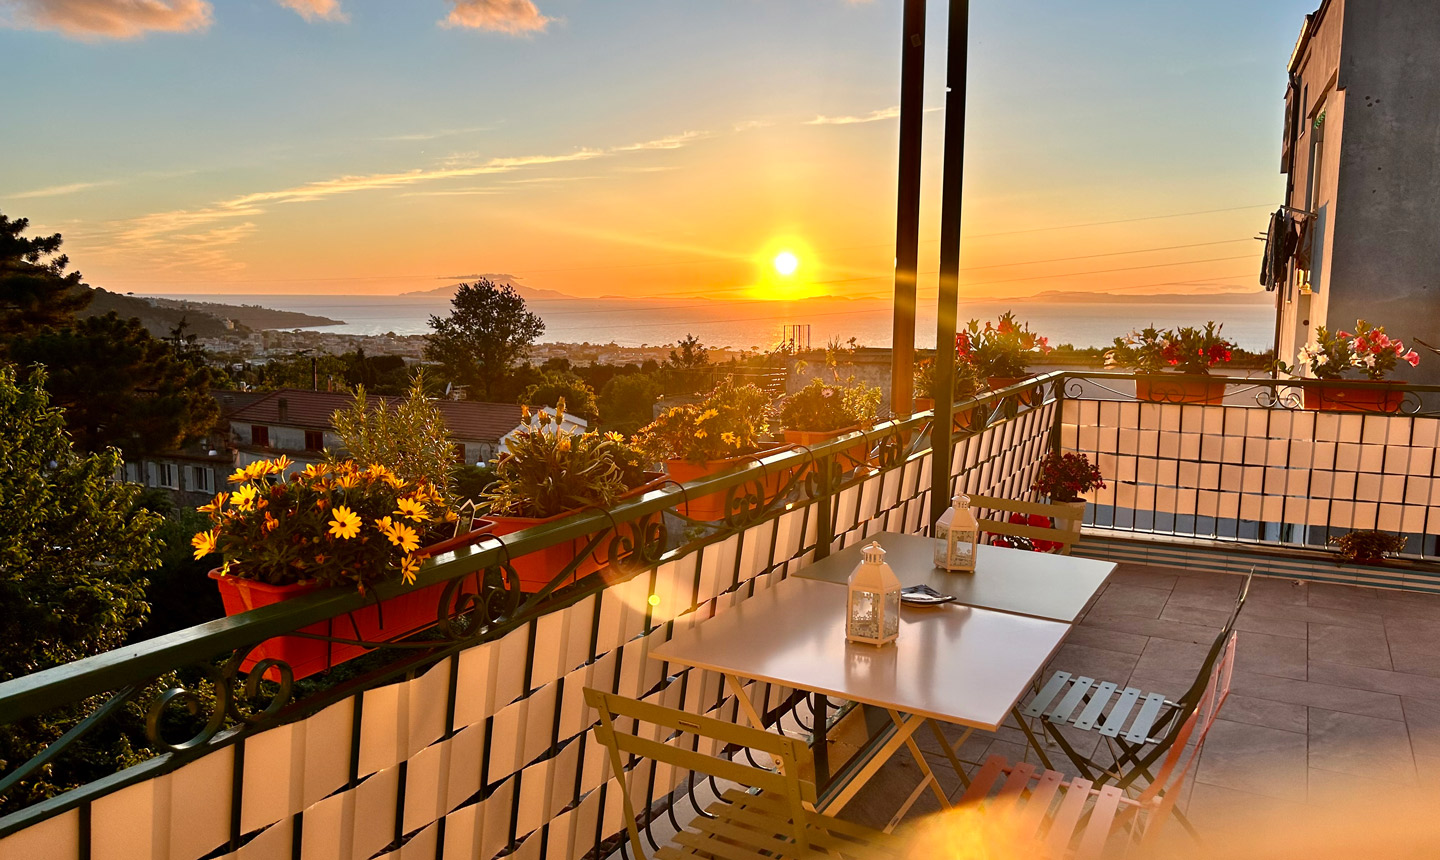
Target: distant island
[
  {"x": 1259, "y": 297},
  {"x": 204, "y": 319},
  {"x": 526, "y": 293}
]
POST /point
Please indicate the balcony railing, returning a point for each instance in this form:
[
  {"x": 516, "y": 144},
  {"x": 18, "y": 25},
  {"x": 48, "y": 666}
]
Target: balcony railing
[{"x": 471, "y": 739}]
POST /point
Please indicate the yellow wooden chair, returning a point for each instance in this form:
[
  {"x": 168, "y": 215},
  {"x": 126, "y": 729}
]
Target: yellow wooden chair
[
  {"x": 774, "y": 819},
  {"x": 1067, "y": 526}
]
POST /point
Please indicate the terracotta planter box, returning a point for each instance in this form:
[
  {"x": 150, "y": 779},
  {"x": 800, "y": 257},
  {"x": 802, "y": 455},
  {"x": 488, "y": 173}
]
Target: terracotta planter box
[
  {"x": 998, "y": 382},
  {"x": 536, "y": 569},
  {"x": 711, "y": 507},
  {"x": 1339, "y": 397},
  {"x": 962, "y": 416},
  {"x": 850, "y": 458},
  {"x": 384, "y": 621},
  {"x": 1160, "y": 388}
]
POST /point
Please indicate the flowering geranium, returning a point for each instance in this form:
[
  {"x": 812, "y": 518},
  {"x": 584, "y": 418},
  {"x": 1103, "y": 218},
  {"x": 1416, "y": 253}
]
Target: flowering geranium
[
  {"x": 1368, "y": 350},
  {"x": 1186, "y": 349},
  {"x": 1063, "y": 477},
  {"x": 967, "y": 380},
  {"x": 1001, "y": 348},
  {"x": 332, "y": 524},
  {"x": 727, "y": 423},
  {"x": 822, "y": 406},
  {"x": 1039, "y": 521}
]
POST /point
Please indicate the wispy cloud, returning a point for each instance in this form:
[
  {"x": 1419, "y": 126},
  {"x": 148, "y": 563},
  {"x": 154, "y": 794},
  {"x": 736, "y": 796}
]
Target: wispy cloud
[
  {"x": 93, "y": 20},
  {"x": 747, "y": 125},
  {"x": 674, "y": 141},
  {"x": 59, "y": 190},
  {"x": 515, "y": 17},
  {"x": 434, "y": 135},
  {"x": 315, "y": 10},
  {"x": 873, "y": 116},
  {"x": 548, "y": 180}
]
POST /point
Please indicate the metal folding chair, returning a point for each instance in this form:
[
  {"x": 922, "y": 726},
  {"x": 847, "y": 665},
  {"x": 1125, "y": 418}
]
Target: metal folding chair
[{"x": 1137, "y": 727}]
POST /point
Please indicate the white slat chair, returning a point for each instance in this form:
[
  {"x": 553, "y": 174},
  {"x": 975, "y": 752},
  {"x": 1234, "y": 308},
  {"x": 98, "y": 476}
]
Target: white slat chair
[
  {"x": 776, "y": 821},
  {"x": 1076, "y": 819}
]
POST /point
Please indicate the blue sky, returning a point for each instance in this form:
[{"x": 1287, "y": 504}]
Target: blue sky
[{"x": 632, "y": 147}]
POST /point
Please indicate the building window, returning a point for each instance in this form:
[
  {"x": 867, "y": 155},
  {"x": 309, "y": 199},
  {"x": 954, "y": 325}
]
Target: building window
[
  {"x": 200, "y": 479},
  {"x": 165, "y": 475},
  {"x": 314, "y": 440},
  {"x": 260, "y": 435},
  {"x": 460, "y": 453}
]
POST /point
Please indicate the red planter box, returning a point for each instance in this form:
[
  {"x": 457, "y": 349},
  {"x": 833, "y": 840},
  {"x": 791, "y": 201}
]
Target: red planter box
[
  {"x": 1159, "y": 388},
  {"x": 1338, "y": 397},
  {"x": 848, "y": 459},
  {"x": 711, "y": 507},
  {"x": 380, "y": 622},
  {"x": 962, "y": 416}
]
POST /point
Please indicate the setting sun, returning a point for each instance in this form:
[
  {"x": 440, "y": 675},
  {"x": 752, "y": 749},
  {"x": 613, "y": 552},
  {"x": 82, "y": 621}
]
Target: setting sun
[{"x": 786, "y": 263}]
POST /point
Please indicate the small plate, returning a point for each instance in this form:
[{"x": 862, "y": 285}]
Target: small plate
[{"x": 924, "y": 595}]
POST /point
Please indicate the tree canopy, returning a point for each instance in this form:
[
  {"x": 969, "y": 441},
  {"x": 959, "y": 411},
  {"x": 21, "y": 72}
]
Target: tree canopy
[
  {"x": 405, "y": 435},
  {"x": 555, "y": 386},
  {"x": 35, "y": 290},
  {"x": 489, "y": 331},
  {"x": 121, "y": 386},
  {"x": 691, "y": 354},
  {"x": 75, "y": 544}
]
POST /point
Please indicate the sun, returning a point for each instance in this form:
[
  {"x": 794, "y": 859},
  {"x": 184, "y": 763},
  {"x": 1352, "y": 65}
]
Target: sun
[{"x": 786, "y": 263}]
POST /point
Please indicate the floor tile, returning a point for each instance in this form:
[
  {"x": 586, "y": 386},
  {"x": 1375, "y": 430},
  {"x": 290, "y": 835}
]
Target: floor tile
[
  {"x": 1361, "y": 746},
  {"x": 1174, "y": 665},
  {"x": 1378, "y": 680},
  {"x": 1422, "y": 717},
  {"x": 1226, "y": 818},
  {"x": 1414, "y": 662},
  {"x": 1216, "y": 618},
  {"x": 1256, "y": 759},
  {"x": 1329, "y": 595},
  {"x": 1309, "y": 693},
  {"x": 1349, "y": 645},
  {"x": 1287, "y": 716},
  {"x": 1277, "y": 590},
  {"x": 1131, "y": 600},
  {"x": 1151, "y": 627},
  {"x": 1312, "y": 614},
  {"x": 1097, "y": 663},
  {"x": 1110, "y": 640},
  {"x": 1144, "y": 577},
  {"x": 1413, "y": 635},
  {"x": 1273, "y": 655}
]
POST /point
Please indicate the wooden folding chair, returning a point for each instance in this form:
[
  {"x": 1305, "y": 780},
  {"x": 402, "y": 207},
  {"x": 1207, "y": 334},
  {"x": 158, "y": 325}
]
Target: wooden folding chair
[
  {"x": 1066, "y": 531},
  {"x": 774, "y": 818},
  {"x": 1080, "y": 819},
  {"x": 1138, "y": 736}
]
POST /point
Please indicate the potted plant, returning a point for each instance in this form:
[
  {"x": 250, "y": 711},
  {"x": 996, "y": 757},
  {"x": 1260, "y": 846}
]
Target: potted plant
[
  {"x": 1368, "y": 547},
  {"x": 330, "y": 525},
  {"x": 1062, "y": 478},
  {"x": 966, "y": 385},
  {"x": 1001, "y": 350},
  {"x": 696, "y": 440},
  {"x": 1331, "y": 355},
  {"x": 549, "y": 472},
  {"x": 1188, "y": 350},
  {"x": 822, "y": 411}
]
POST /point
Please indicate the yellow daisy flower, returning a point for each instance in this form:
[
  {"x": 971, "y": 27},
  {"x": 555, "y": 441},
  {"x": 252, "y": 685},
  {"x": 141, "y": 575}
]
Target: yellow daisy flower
[
  {"x": 238, "y": 476},
  {"x": 409, "y": 566},
  {"x": 216, "y": 504},
  {"x": 204, "y": 543},
  {"x": 244, "y": 498},
  {"x": 404, "y": 537},
  {"x": 385, "y": 525},
  {"x": 411, "y": 510},
  {"x": 708, "y": 414},
  {"x": 280, "y": 464},
  {"x": 729, "y": 438},
  {"x": 347, "y": 480},
  {"x": 345, "y": 524}
]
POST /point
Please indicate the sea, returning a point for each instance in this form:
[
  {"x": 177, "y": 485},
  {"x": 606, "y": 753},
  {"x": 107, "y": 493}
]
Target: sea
[{"x": 762, "y": 324}]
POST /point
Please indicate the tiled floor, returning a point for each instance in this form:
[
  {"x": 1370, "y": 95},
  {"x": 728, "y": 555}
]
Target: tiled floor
[{"x": 1336, "y": 689}]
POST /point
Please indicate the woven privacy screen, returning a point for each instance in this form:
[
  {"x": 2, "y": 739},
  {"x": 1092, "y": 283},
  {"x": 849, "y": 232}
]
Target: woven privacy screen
[
  {"x": 491, "y": 750},
  {"x": 1235, "y": 471}
]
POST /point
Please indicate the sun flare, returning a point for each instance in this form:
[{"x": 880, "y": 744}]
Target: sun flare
[{"x": 786, "y": 263}]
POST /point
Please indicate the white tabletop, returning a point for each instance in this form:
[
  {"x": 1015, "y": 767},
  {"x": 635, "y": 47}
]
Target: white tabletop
[
  {"x": 1058, "y": 587},
  {"x": 954, "y": 663}
]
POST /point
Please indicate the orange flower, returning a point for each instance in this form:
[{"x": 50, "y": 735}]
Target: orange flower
[
  {"x": 204, "y": 543},
  {"x": 346, "y": 523}
]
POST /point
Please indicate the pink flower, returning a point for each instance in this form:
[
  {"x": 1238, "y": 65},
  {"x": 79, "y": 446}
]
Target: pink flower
[
  {"x": 1399, "y": 347},
  {"x": 1413, "y": 357}
]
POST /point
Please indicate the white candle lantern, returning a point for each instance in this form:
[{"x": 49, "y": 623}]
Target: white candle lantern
[
  {"x": 956, "y": 537},
  {"x": 873, "y": 609}
]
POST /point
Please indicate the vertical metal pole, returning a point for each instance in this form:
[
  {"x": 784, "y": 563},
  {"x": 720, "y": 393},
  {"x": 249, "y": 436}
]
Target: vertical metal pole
[
  {"x": 907, "y": 208},
  {"x": 947, "y": 305}
]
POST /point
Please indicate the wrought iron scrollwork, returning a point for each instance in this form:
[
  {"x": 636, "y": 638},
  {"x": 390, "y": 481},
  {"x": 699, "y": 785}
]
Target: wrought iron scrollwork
[{"x": 229, "y": 699}]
